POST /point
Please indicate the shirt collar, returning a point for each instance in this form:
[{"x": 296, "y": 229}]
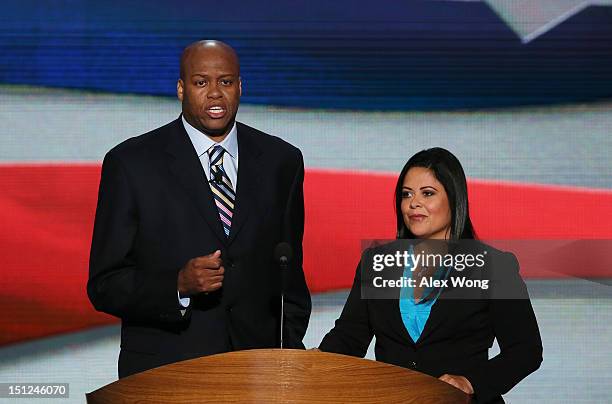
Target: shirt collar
[{"x": 202, "y": 143}]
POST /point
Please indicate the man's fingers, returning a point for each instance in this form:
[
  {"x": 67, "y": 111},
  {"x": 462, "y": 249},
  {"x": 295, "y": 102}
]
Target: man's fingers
[
  {"x": 215, "y": 286},
  {"x": 211, "y": 279},
  {"x": 216, "y": 256},
  {"x": 207, "y": 278},
  {"x": 202, "y": 274},
  {"x": 208, "y": 272},
  {"x": 215, "y": 279},
  {"x": 212, "y": 287},
  {"x": 207, "y": 262},
  {"x": 211, "y": 261}
]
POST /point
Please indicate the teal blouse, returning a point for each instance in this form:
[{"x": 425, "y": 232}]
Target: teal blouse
[{"x": 415, "y": 314}]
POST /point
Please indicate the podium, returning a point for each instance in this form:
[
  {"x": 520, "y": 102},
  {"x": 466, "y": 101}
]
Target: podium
[{"x": 278, "y": 376}]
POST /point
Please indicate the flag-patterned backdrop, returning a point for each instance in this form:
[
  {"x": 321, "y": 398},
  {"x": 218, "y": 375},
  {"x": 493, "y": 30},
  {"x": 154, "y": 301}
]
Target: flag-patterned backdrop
[{"x": 521, "y": 94}]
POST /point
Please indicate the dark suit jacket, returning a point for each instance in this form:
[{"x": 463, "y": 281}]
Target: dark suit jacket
[
  {"x": 461, "y": 328},
  {"x": 156, "y": 211}
]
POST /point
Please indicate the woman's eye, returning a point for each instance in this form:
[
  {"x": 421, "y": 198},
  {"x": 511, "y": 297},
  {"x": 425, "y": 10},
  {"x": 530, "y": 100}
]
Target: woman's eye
[
  {"x": 406, "y": 194},
  {"x": 428, "y": 193}
]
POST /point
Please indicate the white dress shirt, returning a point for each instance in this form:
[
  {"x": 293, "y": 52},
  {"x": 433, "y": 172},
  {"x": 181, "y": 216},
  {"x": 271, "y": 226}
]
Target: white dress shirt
[{"x": 201, "y": 143}]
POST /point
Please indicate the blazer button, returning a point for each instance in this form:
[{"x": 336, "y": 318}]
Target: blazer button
[{"x": 413, "y": 364}]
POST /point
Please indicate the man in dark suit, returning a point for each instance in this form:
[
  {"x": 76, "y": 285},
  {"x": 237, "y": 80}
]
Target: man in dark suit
[{"x": 187, "y": 220}]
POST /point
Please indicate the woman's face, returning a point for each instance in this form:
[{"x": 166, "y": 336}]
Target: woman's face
[{"x": 425, "y": 205}]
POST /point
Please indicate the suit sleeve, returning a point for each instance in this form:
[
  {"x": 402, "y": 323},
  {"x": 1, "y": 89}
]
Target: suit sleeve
[
  {"x": 352, "y": 332},
  {"x": 117, "y": 284},
  {"x": 516, "y": 329},
  {"x": 297, "y": 297}
]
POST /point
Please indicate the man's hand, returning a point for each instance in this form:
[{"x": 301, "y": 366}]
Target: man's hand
[
  {"x": 201, "y": 274},
  {"x": 459, "y": 382}
]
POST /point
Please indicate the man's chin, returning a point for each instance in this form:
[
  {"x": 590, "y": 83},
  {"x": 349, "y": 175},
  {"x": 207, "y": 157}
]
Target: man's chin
[{"x": 217, "y": 131}]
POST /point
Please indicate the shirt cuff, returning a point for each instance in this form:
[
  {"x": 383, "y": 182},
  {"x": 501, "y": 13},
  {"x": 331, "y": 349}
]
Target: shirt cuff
[{"x": 184, "y": 301}]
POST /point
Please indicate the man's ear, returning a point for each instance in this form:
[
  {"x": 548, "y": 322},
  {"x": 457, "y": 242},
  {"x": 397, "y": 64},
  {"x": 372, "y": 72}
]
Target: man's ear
[
  {"x": 179, "y": 90},
  {"x": 240, "y": 86}
]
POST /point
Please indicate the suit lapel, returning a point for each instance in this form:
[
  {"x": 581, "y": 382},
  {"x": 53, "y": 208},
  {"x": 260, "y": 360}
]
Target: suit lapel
[
  {"x": 249, "y": 175},
  {"x": 396, "y": 321},
  {"x": 440, "y": 311},
  {"x": 437, "y": 315},
  {"x": 185, "y": 165},
  {"x": 444, "y": 307}
]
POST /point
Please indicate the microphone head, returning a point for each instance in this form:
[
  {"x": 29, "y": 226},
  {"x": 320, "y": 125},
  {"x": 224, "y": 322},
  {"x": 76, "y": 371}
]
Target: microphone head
[
  {"x": 218, "y": 177},
  {"x": 283, "y": 253}
]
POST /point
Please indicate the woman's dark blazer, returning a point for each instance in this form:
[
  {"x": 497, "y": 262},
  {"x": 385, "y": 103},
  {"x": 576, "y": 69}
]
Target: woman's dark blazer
[{"x": 458, "y": 333}]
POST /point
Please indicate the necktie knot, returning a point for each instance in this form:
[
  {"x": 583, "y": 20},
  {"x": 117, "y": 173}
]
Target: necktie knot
[{"x": 215, "y": 154}]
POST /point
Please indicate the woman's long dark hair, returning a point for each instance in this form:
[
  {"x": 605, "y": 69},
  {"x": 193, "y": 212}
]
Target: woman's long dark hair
[{"x": 447, "y": 169}]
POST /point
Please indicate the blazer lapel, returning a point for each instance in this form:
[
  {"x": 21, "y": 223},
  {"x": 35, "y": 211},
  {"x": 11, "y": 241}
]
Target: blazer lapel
[
  {"x": 440, "y": 309},
  {"x": 185, "y": 165},
  {"x": 249, "y": 175},
  {"x": 396, "y": 318},
  {"x": 437, "y": 315},
  {"x": 444, "y": 306}
]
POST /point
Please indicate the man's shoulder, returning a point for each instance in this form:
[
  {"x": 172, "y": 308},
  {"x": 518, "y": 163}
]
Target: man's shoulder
[
  {"x": 266, "y": 141},
  {"x": 149, "y": 140}
]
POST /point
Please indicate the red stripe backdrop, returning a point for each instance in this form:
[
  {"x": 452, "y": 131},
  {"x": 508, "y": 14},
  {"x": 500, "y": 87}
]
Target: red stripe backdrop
[{"x": 46, "y": 218}]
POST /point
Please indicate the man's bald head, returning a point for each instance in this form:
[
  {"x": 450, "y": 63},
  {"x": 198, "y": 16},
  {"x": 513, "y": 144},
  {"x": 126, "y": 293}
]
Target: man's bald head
[
  {"x": 209, "y": 87},
  {"x": 205, "y": 47}
]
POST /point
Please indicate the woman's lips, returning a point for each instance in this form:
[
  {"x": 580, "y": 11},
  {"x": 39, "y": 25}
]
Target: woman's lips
[{"x": 417, "y": 218}]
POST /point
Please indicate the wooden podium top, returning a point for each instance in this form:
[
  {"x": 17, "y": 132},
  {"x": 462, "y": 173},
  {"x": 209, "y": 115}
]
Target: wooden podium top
[{"x": 278, "y": 376}]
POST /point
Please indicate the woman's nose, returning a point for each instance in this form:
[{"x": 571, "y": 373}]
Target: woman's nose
[{"x": 415, "y": 202}]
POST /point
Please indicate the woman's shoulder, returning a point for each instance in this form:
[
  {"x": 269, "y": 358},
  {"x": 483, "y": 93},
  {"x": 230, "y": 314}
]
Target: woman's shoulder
[{"x": 480, "y": 247}]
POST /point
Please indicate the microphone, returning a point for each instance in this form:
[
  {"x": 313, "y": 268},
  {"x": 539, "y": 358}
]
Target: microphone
[
  {"x": 282, "y": 255},
  {"x": 218, "y": 177}
]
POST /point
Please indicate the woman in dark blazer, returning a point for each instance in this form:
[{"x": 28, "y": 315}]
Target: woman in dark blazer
[{"x": 443, "y": 332}]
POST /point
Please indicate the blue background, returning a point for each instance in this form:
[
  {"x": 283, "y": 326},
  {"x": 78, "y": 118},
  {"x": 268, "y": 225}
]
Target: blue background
[{"x": 344, "y": 54}]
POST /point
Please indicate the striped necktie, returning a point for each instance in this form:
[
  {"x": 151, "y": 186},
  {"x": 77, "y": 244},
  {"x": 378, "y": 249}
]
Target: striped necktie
[{"x": 221, "y": 187}]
